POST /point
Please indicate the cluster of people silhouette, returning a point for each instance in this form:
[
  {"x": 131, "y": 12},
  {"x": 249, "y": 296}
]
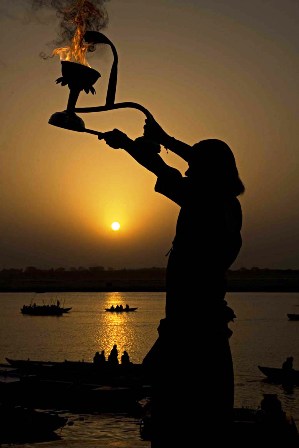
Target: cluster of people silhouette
[
  {"x": 99, "y": 359},
  {"x": 119, "y": 307}
]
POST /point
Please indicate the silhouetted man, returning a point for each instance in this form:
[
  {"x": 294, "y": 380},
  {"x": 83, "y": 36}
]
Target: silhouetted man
[{"x": 194, "y": 396}]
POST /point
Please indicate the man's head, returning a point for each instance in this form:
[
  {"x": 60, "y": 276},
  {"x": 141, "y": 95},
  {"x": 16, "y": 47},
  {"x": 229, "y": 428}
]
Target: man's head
[
  {"x": 213, "y": 161},
  {"x": 212, "y": 152}
]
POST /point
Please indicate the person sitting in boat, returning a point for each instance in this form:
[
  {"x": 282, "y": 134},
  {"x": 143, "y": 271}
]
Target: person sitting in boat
[
  {"x": 112, "y": 308},
  {"x": 287, "y": 365},
  {"x": 127, "y": 307},
  {"x": 102, "y": 357},
  {"x": 125, "y": 359},
  {"x": 121, "y": 307},
  {"x": 99, "y": 359},
  {"x": 113, "y": 356},
  {"x": 96, "y": 358}
]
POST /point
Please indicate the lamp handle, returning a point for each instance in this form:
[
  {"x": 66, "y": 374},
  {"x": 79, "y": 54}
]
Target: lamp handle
[
  {"x": 114, "y": 106},
  {"x": 95, "y": 37},
  {"x": 111, "y": 107}
]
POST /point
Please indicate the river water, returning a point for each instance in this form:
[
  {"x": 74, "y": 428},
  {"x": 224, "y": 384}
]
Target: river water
[{"x": 262, "y": 335}]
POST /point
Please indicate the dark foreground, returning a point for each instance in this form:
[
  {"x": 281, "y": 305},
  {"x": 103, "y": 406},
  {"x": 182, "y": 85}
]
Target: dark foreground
[{"x": 84, "y": 387}]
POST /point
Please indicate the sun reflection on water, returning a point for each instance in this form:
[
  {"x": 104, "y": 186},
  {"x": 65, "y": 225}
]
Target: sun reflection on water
[{"x": 117, "y": 328}]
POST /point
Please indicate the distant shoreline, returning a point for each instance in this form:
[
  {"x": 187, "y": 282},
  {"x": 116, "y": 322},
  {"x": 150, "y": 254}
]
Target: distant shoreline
[
  {"x": 62, "y": 289},
  {"x": 139, "y": 280}
]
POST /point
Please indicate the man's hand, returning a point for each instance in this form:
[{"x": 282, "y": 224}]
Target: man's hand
[
  {"x": 116, "y": 139},
  {"x": 147, "y": 145},
  {"x": 154, "y": 132}
]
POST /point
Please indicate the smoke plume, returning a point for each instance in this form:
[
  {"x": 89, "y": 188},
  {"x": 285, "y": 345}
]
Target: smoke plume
[{"x": 90, "y": 15}]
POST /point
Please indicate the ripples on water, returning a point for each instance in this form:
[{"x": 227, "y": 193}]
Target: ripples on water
[
  {"x": 262, "y": 335},
  {"x": 95, "y": 431},
  {"x": 103, "y": 429}
]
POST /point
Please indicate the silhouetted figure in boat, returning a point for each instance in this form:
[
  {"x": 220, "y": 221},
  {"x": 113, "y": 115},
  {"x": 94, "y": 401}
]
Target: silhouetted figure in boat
[
  {"x": 99, "y": 359},
  {"x": 287, "y": 365},
  {"x": 102, "y": 357},
  {"x": 113, "y": 356},
  {"x": 96, "y": 358},
  {"x": 125, "y": 359},
  {"x": 288, "y": 373},
  {"x": 193, "y": 400}
]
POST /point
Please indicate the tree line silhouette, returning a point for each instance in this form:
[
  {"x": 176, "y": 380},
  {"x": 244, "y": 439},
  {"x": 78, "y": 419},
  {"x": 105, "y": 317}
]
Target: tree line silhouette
[{"x": 99, "y": 278}]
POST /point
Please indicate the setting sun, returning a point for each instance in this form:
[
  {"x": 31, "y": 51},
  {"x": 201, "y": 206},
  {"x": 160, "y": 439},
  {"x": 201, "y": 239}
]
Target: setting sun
[{"x": 115, "y": 226}]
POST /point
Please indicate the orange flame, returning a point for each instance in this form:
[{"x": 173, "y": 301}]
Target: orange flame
[{"x": 76, "y": 51}]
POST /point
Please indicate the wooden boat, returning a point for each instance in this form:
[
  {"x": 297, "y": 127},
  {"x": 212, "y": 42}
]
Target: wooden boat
[
  {"x": 20, "y": 363},
  {"x": 121, "y": 310},
  {"x": 25, "y": 425},
  {"x": 293, "y": 316},
  {"x": 280, "y": 376},
  {"x": 86, "y": 372},
  {"x": 77, "y": 385},
  {"x": 31, "y": 364},
  {"x": 68, "y": 366},
  {"x": 44, "y": 310}
]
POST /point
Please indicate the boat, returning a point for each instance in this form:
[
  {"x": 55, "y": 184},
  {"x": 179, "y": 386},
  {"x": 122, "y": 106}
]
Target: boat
[
  {"x": 67, "y": 369},
  {"x": 52, "y": 309},
  {"x": 119, "y": 309},
  {"x": 21, "y": 363},
  {"x": 83, "y": 371},
  {"x": 77, "y": 385},
  {"x": 20, "y": 424},
  {"x": 280, "y": 376},
  {"x": 293, "y": 316}
]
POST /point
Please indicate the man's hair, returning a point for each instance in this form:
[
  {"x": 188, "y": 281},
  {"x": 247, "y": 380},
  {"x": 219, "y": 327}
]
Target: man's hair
[{"x": 217, "y": 160}]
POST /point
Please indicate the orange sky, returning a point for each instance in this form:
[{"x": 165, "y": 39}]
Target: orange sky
[{"x": 205, "y": 69}]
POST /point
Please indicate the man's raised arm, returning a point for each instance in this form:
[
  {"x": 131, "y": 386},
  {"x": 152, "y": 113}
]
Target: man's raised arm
[{"x": 154, "y": 132}]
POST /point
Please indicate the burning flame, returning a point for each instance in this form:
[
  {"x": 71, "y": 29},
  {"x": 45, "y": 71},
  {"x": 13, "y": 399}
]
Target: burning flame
[
  {"x": 80, "y": 15},
  {"x": 76, "y": 52}
]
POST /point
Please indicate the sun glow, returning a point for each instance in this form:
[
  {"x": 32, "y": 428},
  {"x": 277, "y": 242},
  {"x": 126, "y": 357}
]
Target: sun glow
[{"x": 115, "y": 226}]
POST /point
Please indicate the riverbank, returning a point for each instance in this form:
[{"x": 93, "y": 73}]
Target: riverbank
[{"x": 125, "y": 280}]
